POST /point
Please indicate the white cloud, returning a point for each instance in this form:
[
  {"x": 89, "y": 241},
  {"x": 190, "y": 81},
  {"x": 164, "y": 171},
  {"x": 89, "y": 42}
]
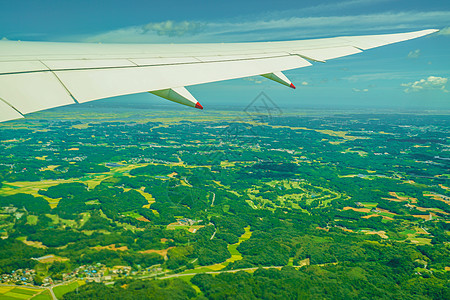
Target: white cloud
[
  {"x": 378, "y": 76},
  {"x": 414, "y": 54},
  {"x": 305, "y": 83},
  {"x": 445, "y": 31},
  {"x": 174, "y": 29},
  {"x": 254, "y": 79},
  {"x": 430, "y": 83},
  {"x": 360, "y": 91},
  {"x": 4, "y": 39},
  {"x": 280, "y": 28}
]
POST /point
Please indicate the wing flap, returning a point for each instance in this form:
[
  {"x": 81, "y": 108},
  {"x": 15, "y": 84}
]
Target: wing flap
[
  {"x": 30, "y": 92},
  {"x": 88, "y": 85},
  {"x": 8, "y": 113}
]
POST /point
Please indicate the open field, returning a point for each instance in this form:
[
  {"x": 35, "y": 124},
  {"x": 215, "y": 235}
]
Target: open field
[
  {"x": 364, "y": 210},
  {"x": 63, "y": 289},
  {"x": 25, "y": 293},
  {"x": 91, "y": 180},
  {"x": 162, "y": 252},
  {"x": 111, "y": 247}
]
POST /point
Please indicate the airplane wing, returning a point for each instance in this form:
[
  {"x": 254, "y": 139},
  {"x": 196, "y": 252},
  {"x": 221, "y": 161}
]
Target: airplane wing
[{"x": 36, "y": 76}]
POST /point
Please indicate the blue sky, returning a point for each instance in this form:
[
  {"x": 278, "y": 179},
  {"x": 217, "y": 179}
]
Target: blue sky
[{"x": 409, "y": 75}]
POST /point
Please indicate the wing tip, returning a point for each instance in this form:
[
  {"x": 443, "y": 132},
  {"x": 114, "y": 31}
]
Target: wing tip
[
  {"x": 198, "y": 105},
  {"x": 429, "y": 31}
]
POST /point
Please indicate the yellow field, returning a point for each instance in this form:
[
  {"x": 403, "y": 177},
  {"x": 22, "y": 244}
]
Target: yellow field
[
  {"x": 364, "y": 210},
  {"x": 185, "y": 183},
  {"x": 32, "y": 188},
  {"x": 111, "y": 247},
  {"x": 226, "y": 163},
  {"x": 4, "y": 289},
  {"x": 402, "y": 198},
  {"x": 375, "y": 215},
  {"x": 16, "y": 292},
  {"x": 381, "y": 233},
  {"x": 91, "y": 180},
  {"x": 341, "y": 134},
  {"x": 81, "y": 126},
  {"x": 147, "y": 196},
  {"x": 218, "y": 183},
  {"x": 360, "y": 153},
  {"x": 162, "y": 252},
  {"x": 438, "y": 197},
  {"x": 418, "y": 240},
  {"x": 50, "y": 168}
]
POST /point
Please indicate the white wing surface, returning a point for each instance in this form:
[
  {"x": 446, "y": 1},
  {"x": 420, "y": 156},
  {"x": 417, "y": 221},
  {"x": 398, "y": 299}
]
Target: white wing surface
[{"x": 36, "y": 76}]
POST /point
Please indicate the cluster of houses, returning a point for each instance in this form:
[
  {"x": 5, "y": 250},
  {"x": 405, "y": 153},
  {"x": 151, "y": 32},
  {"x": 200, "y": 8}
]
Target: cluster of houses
[
  {"x": 89, "y": 273},
  {"x": 22, "y": 276}
]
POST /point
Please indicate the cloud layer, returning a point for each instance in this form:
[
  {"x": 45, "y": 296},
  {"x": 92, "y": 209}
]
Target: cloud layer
[
  {"x": 276, "y": 28},
  {"x": 430, "y": 83},
  {"x": 445, "y": 31},
  {"x": 173, "y": 29}
]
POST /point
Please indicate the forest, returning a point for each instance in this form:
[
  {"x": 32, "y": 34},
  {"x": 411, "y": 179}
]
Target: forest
[{"x": 329, "y": 206}]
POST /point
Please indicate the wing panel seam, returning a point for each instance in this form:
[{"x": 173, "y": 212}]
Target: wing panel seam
[
  {"x": 7, "y": 103},
  {"x": 143, "y": 66},
  {"x": 63, "y": 85}
]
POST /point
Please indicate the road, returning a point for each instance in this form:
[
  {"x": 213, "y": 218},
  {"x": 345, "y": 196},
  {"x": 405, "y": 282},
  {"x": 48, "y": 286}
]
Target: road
[
  {"x": 214, "y": 198},
  {"x": 225, "y": 271}
]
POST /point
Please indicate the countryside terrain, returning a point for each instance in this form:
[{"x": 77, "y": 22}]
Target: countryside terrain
[{"x": 246, "y": 204}]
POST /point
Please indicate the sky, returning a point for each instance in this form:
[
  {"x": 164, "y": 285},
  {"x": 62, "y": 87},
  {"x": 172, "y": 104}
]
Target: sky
[{"x": 413, "y": 75}]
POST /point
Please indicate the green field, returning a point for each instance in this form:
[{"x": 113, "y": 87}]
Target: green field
[
  {"x": 14, "y": 293},
  {"x": 63, "y": 289}
]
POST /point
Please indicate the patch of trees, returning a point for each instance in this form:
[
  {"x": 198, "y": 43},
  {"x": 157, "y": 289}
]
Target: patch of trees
[
  {"x": 330, "y": 282},
  {"x": 177, "y": 200},
  {"x": 179, "y": 256},
  {"x": 438, "y": 255},
  {"x": 265, "y": 249},
  {"x": 15, "y": 255},
  {"x": 212, "y": 252},
  {"x": 175, "y": 289},
  {"x": 55, "y": 237},
  {"x": 229, "y": 224},
  {"x": 113, "y": 258},
  {"x": 229, "y": 238},
  {"x": 97, "y": 222},
  {"x": 27, "y": 201},
  {"x": 117, "y": 200},
  {"x": 431, "y": 203},
  {"x": 66, "y": 190}
]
